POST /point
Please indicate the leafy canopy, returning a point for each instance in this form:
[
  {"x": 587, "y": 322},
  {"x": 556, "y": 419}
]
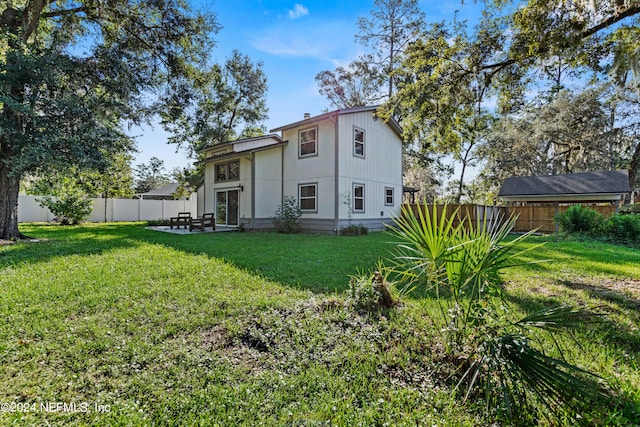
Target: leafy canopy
[{"x": 73, "y": 74}]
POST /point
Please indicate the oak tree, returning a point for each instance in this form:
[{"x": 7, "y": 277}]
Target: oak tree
[{"x": 74, "y": 73}]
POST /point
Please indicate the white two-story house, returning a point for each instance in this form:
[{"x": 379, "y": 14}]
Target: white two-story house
[{"x": 343, "y": 167}]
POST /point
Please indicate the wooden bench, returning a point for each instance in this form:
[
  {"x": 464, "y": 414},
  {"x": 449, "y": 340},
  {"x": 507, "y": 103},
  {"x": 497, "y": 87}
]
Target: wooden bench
[
  {"x": 183, "y": 218},
  {"x": 207, "y": 220}
]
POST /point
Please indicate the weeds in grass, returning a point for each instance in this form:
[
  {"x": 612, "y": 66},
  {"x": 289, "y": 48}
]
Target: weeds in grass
[{"x": 371, "y": 291}]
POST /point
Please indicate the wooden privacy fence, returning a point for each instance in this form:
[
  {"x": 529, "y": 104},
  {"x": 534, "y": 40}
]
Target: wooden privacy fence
[
  {"x": 470, "y": 211},
  {"x": 529, "y": 217},
  {"x": 542, "y": 217}
]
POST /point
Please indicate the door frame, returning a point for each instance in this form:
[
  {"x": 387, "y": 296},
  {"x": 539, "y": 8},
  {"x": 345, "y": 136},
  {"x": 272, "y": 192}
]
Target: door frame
[{"x": 226, "y": 207}]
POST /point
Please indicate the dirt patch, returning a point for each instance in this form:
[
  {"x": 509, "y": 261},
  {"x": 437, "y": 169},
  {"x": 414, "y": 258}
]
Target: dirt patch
[
  {"x": 622, "y": 291},
  {"x": 314, "y": 333}
]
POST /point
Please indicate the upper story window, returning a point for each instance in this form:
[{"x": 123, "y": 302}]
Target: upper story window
[
  {"x": 358, "y": 142},
  {"x": 229, "y": 171},
  {"x": 308, "y": 142}
]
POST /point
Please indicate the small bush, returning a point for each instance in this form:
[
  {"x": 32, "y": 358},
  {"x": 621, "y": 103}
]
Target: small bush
[
  {"x": 354, "y": 230},
  {"x": 623, "y": 228},
  {"x": 69, "y": 209},
  {"x": 578, "y": 219},
  {"x": 633, "y": 209},
  {"x": 371, "y": 292},
  {"x": 287, "y": 216}
]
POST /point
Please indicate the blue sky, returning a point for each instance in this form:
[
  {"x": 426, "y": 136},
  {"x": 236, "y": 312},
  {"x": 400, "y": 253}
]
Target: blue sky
[{"x": 294, "y": 40}]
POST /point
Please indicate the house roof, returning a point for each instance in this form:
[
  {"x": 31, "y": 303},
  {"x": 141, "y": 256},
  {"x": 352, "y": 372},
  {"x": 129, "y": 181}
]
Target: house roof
[
  {"x": 601, "y": 185},
  {"x": 246, "y": 144},
  {"x": 240, "y": 146},
  {"x": 393, "y": 124}
]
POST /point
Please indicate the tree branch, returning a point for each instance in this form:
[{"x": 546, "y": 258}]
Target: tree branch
[
  {"x": 631, "y": 11},
  {"x": 64, "y": 12}
]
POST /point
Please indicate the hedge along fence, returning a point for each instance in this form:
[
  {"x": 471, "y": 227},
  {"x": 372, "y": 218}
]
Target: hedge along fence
[{"x": 529, "y": 217}]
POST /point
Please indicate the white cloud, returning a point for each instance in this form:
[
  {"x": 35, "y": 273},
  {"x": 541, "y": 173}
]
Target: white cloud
[
  {"x": 298, "y": 11},
  {"x": 324, "y": 41}
]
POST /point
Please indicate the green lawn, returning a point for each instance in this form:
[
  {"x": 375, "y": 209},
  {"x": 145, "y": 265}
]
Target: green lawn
[{"x": 137, "y": 327}]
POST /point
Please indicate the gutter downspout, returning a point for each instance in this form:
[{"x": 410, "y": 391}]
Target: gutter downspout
[
  {"x": 336, "y": 200},
  {"x": 253, "y": 190},
  {"x": 282, "y": 173}
]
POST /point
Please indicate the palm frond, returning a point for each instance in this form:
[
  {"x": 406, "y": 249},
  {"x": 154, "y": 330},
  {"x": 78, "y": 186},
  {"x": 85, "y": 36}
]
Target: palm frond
[
  {"x": 507, "y": 363},
  {"x": 559, "y": 317}
]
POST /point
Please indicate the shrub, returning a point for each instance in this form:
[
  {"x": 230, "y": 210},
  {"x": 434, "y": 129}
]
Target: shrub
[
  {"x": 578, "y": 219},
  {"x": 371, "y": 292},
  {"x": 287, "y": 216},
  {"x": 633, "y": 209},
  {"x": 460, "y": 266},
  {"x": 623, "y": 228},
  {"x": 354, "y": 230},
  {"x": 69, "y": 209}
]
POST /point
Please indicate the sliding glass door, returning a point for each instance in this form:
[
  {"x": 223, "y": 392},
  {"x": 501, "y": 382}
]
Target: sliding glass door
[{"x": 227, "y": 207}]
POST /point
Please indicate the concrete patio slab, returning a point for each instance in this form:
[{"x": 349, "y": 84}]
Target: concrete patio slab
[{"x": 166, "y": 229}]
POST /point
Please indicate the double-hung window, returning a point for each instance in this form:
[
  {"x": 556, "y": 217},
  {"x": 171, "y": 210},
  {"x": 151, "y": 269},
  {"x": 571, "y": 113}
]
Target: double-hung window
[
  {"x": 358, "y": 197},
  {"x": 388, "y": 196},
  {"x": 358, "y": 142},
  {"x": 308, "y": 197},
  {"x": 308, "y": 142}
]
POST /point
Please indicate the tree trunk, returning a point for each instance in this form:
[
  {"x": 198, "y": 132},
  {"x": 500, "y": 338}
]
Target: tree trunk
[{"x": 9, "y": 189}]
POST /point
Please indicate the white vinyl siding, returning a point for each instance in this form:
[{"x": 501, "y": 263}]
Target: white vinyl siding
[
  {"x": 318, "y": 169},
  {"x": 380, "y": 171}
]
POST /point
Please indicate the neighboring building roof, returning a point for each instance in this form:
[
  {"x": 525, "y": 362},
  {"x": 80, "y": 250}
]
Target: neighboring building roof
[
  {"x": 167, "y": 191},
  {"x": 393, "y": 124},
  {"x": 602, "y": 185}
]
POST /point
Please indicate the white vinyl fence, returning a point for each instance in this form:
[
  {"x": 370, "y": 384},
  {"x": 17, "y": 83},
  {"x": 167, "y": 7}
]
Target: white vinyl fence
[{"x": 29, "y": 210}]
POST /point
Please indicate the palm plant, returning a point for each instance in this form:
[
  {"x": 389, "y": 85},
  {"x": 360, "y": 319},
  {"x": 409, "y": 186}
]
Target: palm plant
[{"x": 460, "y": 265}]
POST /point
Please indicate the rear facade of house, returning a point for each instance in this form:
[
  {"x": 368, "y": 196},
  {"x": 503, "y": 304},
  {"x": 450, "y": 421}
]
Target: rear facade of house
[{"x": 343, "y": 167}]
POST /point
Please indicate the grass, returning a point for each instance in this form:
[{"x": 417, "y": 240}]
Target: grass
[{"x": 254, "y": 328}]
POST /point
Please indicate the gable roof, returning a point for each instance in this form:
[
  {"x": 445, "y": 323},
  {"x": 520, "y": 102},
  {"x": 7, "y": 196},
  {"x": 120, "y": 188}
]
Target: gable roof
[
  {"x": 393, "y": 124},
  {"x": 601, "y": 185}
]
